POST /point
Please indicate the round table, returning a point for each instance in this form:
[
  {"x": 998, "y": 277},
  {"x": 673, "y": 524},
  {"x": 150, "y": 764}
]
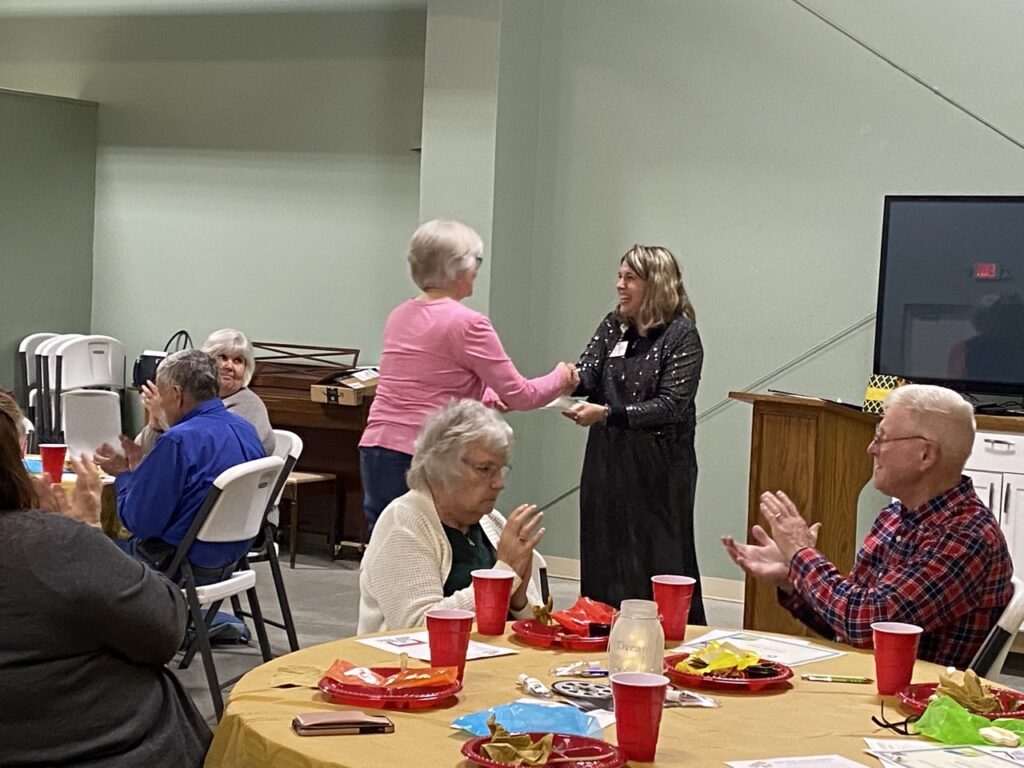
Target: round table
[{"x": 806, "y": 719}]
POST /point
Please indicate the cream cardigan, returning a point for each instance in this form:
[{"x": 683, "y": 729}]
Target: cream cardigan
[{"x": 407, "y": 561}]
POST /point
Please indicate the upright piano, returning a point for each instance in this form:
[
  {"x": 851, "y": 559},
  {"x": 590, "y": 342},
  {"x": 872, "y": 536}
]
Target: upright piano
[{"x": 330, "y": 433}]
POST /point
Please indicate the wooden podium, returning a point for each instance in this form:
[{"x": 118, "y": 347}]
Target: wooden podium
[{"x": 816, "y": 452}]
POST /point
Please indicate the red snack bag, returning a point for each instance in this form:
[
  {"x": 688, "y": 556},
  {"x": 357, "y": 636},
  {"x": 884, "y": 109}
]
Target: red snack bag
[
  {"x": 347, "y": 673},
  {"x": 582, "y": 614},
  {"x": 422, "y": 677}
]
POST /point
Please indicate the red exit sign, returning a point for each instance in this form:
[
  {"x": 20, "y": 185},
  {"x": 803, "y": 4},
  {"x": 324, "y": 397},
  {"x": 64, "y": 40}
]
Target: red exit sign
[{"x": 986, "y": 270}]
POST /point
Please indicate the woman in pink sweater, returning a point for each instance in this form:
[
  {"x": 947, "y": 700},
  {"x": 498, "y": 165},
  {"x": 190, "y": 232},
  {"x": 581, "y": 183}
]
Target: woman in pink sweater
[{"x": 437, "y": 350}]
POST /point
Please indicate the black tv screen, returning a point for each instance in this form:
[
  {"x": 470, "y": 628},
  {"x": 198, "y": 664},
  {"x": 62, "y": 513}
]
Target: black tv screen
[{"x": 950, "y": 292}]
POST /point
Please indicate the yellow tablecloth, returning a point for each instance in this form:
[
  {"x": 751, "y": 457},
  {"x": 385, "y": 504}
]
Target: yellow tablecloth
[{"x": 807, "y": 719}]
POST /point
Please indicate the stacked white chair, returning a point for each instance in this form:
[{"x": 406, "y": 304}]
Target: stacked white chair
[
  {"x": 27, "y": 360},
  {"x": 41, "y": 399},
  {"x": 87, "y": 362},
  {"x": 90, "y": 418}
]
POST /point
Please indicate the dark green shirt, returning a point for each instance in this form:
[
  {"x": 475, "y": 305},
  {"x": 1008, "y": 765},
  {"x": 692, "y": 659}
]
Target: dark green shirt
[{"x": 470, "y": 551}]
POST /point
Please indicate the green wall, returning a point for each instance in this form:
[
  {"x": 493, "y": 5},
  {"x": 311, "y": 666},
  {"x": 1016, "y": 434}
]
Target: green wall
[
  {"x": 47, "y": 180},
  {"x": 756, "y": 141},
  {"x": 253, "y": 171}
]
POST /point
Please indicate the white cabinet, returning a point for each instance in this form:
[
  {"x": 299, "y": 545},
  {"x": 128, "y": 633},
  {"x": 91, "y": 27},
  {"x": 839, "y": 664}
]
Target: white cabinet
[{"x": 996, "y": 466}]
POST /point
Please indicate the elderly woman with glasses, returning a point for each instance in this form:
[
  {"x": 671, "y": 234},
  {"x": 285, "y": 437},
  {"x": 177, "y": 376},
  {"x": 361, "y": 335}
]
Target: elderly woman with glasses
[
  {"x": 235, "y": 364},
  {"x": 437, "y": 350},
  {"x": 428, "y": 541}
]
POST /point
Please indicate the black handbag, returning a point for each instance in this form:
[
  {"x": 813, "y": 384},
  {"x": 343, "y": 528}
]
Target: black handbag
[{"x": 146, "y": 364}]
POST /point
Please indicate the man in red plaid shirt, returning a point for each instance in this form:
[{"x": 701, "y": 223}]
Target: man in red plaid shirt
[{"x": 935, "y": 557}]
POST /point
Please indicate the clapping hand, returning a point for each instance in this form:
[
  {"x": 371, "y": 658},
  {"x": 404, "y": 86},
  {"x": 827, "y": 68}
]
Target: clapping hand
[
  {"x": 762, "y": 559},
  {"x": 154, "y": 405},
  {"x": 768, "y": 558},
  {"x": 84, "y": 505},
  {"x": 789, "y": 529},
  {"x": 113, "y": 463}
]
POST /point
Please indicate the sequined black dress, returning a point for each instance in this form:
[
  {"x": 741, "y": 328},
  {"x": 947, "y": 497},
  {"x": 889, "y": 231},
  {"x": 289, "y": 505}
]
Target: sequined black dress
[{"x": 640, "y": 469}]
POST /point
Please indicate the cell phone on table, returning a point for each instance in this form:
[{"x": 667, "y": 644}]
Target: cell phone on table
[{"x": 346, "y": 723}]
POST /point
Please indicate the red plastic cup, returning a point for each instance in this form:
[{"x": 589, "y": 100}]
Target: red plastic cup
[
  {"x": 895, "y": 653},
  {"x": 53, "y": 460},
  {"x": 492, "y": 590},
  {"x": 639, "y": 701},
  {"x": 448, "y": 633},
  {"x": 673, "y": 595}
]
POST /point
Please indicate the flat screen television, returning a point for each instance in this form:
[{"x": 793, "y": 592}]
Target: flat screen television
[{"x": 951, "y": 292}]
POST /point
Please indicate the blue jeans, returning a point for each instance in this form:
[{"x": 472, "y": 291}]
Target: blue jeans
[{"x": 383, "y": 472}]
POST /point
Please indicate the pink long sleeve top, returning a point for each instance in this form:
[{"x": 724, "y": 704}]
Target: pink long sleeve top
[{"x": 437, "y": 351}]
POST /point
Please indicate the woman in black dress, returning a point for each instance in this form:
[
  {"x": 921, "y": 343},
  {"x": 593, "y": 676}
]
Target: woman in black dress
[{"x": 640, "y": 374}]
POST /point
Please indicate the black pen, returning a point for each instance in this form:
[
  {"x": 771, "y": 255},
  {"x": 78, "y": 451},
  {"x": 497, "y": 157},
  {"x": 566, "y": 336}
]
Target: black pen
[{"x": 558, "y": 498}]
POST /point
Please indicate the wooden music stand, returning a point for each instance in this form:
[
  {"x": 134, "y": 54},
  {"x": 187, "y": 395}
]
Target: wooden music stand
[{"x": 816, "y": 452}]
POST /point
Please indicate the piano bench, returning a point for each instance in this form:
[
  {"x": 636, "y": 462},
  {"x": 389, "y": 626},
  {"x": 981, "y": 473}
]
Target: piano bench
[{"x": 301, "y": 485}]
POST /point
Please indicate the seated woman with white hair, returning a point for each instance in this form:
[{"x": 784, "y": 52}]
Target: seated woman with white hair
[
  {"x": 236, "y": 364},
  {"x": 427, "y": 542}
]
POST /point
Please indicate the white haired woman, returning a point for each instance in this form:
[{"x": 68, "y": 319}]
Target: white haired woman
[
  {"x": 436, "y": 350},
  {"x": 428, "y": 541},
  {"x": 235, "y": 363},
  {"x": 640, "y": 373}
]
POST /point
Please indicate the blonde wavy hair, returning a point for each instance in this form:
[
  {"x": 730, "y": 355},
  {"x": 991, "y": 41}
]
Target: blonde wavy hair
[{"x": 665, "y": 296}]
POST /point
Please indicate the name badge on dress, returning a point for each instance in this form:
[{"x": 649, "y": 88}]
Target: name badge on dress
[{"x": 619, "y": 350}]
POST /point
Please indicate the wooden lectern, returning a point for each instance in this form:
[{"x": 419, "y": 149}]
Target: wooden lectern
[{"x": 816, "y": 452}]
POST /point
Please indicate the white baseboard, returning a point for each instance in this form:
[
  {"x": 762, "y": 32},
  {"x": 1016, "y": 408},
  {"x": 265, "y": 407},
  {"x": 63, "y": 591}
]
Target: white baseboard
[
  {"x": 729, "y": 590},
  {"x": 563, "y": 567}
]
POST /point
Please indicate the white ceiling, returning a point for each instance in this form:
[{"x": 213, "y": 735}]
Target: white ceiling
[{"x": 163, "y": 7}]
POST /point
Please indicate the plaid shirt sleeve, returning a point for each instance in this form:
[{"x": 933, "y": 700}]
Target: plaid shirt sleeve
[
  {"x": 804, "y": 613},
  {"x": 928, "y": 588}
]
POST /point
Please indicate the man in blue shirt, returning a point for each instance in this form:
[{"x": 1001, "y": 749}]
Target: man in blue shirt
[{"x": 158, "y": 495}]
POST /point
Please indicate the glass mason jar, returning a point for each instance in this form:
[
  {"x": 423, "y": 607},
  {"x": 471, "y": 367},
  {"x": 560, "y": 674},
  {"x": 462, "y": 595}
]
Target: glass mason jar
[{"x": 637, "y": 641}]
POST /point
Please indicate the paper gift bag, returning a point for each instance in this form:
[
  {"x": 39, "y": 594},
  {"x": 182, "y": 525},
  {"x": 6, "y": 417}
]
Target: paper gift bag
[{"x": 879, "y": 386}]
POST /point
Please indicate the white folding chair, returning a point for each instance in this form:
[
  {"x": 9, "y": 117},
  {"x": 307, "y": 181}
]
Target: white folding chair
[
  {"x": 27, "y": 361},
  {"x": 47, "y": 426},
  {"x": 86, "y": 362},
  {"x": 992, "y": 654},
  {"x": 288, "y": 447},
  {"x": 91, "y": 417},
  {"x": 233, "y": 510}
]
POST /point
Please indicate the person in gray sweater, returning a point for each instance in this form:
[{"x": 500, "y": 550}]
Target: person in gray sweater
[{"x": 86, "y": 633}]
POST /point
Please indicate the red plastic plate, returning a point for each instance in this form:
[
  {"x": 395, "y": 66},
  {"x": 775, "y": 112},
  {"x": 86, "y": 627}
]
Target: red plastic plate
[
  {"x": 381, "y": 698},
  {"x": 532, "y": 632},
  {"x": 714, "y": 682},
  {"x": 916, "y": 699},
  {"x": 563, "y": 746}
]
